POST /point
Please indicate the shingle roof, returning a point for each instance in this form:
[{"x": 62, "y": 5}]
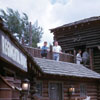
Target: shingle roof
[
  {"x": 95, "y": 18},
  {"x": 65, "y": 69}
]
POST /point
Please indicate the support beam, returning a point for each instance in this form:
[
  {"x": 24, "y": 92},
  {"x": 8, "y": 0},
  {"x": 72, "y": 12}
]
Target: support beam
[
  {"x": 30, "y": 34},
  {"x": 74, "y": 56},
  {"x": 91, "y": 58}
]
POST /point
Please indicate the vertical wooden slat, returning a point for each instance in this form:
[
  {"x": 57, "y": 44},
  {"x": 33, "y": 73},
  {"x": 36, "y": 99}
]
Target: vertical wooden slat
[{"x": 91, "y": 58}]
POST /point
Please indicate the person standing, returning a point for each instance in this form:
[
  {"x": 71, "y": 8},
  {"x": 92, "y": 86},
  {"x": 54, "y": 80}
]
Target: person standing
[
  {"x": 85, "y": 57},
  {"x": 56, "y": 50},
  {"x": 44, "y": 50},
  {"x": 78, "y": 57}
]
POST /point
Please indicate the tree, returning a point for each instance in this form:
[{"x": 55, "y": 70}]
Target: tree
[{"x": 19, "y": 26}]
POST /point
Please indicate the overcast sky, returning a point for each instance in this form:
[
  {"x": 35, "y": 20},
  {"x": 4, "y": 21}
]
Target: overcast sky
[{"x": 54, "y": 13}]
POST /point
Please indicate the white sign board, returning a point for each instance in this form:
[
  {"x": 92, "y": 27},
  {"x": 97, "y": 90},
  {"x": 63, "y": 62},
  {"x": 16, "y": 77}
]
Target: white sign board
[{"x": 13, "y": 53}]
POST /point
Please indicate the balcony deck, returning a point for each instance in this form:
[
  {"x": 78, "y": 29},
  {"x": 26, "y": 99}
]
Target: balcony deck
[{"x": 35, "y": 52}]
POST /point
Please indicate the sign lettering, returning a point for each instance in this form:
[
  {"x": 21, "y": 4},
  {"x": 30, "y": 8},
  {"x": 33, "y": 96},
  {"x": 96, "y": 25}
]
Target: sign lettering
[{"x": 9, "y": 50}]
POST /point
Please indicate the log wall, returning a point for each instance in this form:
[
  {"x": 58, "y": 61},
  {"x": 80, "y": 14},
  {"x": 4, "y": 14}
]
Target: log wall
[
  {"x": 82, "y": 36},
  {"x": 96, "y": 58},
  {"x": 91, "y": 89},
  {"x": 6, "y": 92},
  {"x": 89, "y": 36}
]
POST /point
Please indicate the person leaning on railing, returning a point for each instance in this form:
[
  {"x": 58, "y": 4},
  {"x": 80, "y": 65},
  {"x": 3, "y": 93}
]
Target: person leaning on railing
[
  {"x": 44, "y": 50},
  {"x": 56, "y": 50},
  {"x": 85, "y": 57}
]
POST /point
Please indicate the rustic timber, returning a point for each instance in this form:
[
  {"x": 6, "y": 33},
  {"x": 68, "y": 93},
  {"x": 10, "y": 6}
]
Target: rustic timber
[
  {"x": 59, "y": 76},
  {"x": 81, "y": 34},
  {"x": 12, "y": 58},
  {"x": 35, "y": 52}
]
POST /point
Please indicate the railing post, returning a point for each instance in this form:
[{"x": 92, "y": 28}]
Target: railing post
[
  {"x": 91, "y": 57},
  {"x": 74, "y": 56}
]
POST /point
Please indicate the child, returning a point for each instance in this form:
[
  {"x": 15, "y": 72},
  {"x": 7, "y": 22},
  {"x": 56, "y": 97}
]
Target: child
[{"x": 78, "y": 57}]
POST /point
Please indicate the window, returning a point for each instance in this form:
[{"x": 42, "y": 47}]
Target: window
[
  {"x": 83, "y": 91},
  {"x": 39, "y": 88}
]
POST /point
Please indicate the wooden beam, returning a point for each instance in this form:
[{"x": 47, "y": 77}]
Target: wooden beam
[{"x": 91, "y": 58}]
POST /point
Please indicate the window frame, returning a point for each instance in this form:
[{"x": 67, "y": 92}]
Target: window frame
[
  {"x": 83, "y": 90},
  {"x": 41, "y": 90}
]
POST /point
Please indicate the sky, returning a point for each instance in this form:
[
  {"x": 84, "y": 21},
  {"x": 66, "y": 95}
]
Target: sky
[{"x": 54, "y": 13}]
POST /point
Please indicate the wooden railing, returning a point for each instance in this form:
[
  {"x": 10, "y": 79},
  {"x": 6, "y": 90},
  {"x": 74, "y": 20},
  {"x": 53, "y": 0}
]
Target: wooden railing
[
  {"x": 80, "y": 98},
  {"x": 35, "y": 52}
]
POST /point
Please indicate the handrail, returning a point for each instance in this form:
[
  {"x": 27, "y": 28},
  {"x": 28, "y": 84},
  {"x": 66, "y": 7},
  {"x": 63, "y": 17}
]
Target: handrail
[
  {"x": 8, "y": 84},
  {"x": 80, "y": 98},
  {"x": 36, "y": 52},
  {"x": 12, "y": 87}
]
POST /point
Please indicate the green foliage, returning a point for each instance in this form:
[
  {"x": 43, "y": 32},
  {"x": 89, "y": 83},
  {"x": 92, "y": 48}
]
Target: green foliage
[{"x": 19, "y": 25}]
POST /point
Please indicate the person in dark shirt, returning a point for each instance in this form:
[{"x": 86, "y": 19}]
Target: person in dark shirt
[
  {"x": 44, "y": 50},
  {"x": 85, "y": 57}
]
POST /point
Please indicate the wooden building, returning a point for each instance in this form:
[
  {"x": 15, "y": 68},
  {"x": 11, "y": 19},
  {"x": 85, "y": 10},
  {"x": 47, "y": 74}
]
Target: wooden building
[
  {"x": 16, "y": 64},
  {"x": 81, "y": 35},
  {"x": 55, "y": 80},
  {"x": 60, "y": 78}
]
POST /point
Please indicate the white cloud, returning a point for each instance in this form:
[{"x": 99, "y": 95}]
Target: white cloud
[
  {"x": 76, "y": 10},
  {"x": 52, "y": 14}
]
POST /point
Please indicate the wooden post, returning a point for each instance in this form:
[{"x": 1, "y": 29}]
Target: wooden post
[
  {"x": 51, "y": 52},
  {"x": 74, "y": 56},
  {"x": 32, "y": 79},
  {"x": 30, "y": 34},
  {"x": 91, "y": 58},
  {"x": 23, "y": 41},
  {"x": 98, "y": 90}
]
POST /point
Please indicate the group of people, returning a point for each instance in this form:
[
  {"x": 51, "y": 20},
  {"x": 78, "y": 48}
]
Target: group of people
[
  {"x": 84, "y": 58},
  {"x": 80, "y": 57},
  {"x": 56, "y": 50}
]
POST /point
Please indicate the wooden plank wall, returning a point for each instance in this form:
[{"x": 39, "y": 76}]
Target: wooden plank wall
[
  {"x": 45, "y": 92},
  {"x": 96, "y": 57},
  {"x": 88, "y": 35},
  {"x": 92, "y": 91},
  {"x": 98, "y": 91},
  {"x": 7, "y": 93},
  {"x": 91, "y": 87}
]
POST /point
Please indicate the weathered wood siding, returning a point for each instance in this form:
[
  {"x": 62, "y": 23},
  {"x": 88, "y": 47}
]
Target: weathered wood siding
[
  {"x": 6, "y": 92},
  {"x": 88, "y": 35},
  {"x": 96, "y": 56},
  {"x": 84, "y": 36},
  {"x": 91, "y": 89}
]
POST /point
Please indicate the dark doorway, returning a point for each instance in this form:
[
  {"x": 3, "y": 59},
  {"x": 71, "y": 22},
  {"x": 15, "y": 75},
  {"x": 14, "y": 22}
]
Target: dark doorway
[
  {"x": 82, "y": 48},
  {"x": 55, "y": 91}
]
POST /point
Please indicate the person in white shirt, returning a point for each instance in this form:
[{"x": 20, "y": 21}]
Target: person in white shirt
[
  {"x": 56, "y": 50},
  {"x": 78, "y": 57}
]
